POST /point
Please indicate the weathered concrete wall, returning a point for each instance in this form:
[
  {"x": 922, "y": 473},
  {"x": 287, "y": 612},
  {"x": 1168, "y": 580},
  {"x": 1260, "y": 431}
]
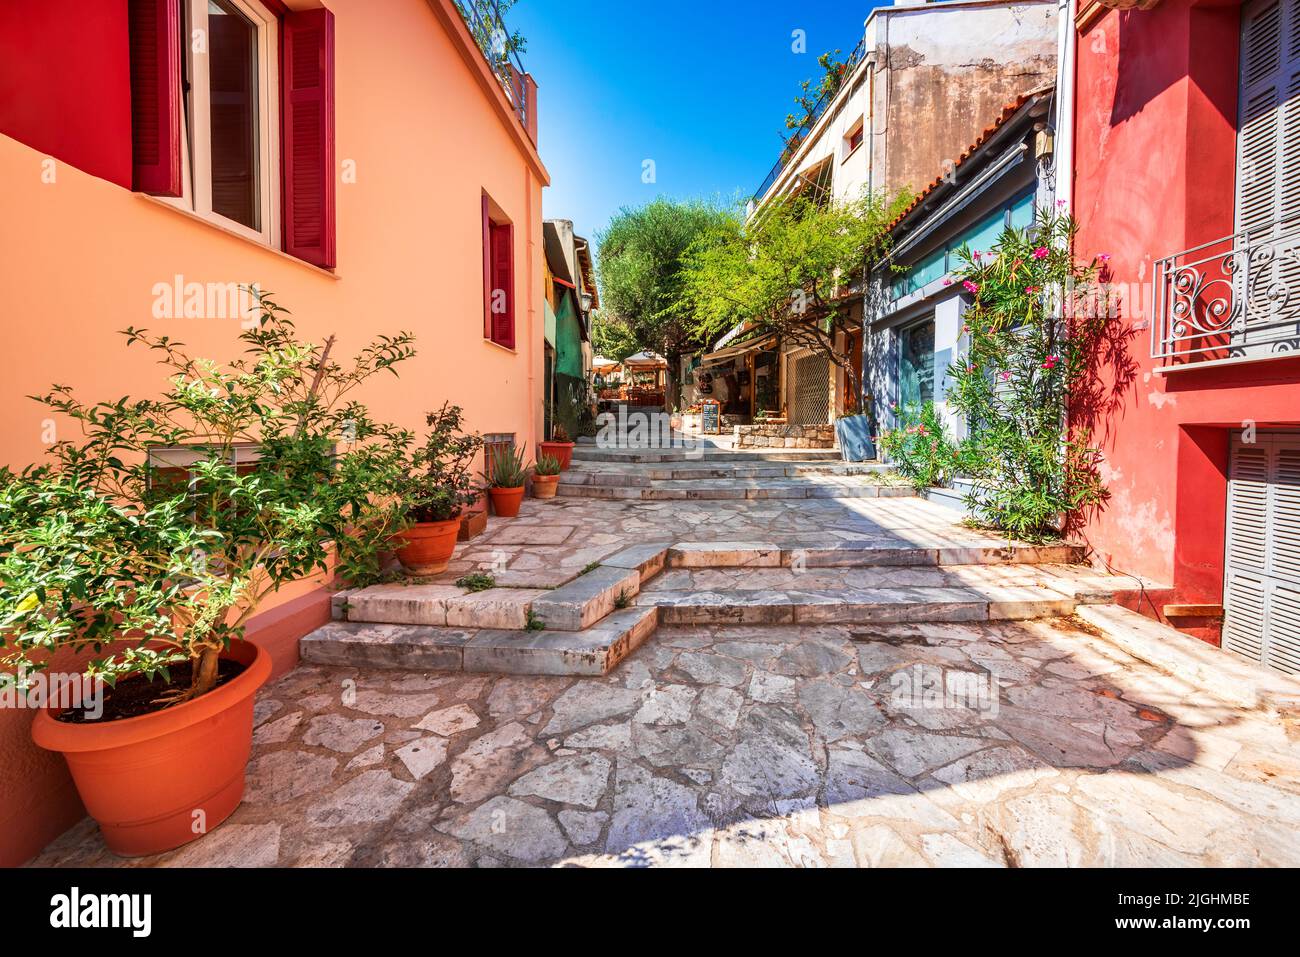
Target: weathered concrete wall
[{"x": 943, "y": 73}]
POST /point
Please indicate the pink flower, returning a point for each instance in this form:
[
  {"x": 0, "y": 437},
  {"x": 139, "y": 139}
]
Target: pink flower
[
  {"x": 971, "y": 287},
  {"x": 1060, "y": 204},
  {"x": 970, "y": 368},
  {"x": 1006, "y": 376},
  {"x": 976, "y": 254},
  {"x": 1051, "y": 362},
  {"x": 947, "y": 282},
  {"x": 1041, "y": 252},
  {"x": 1031, "y": 289},
  {"x": 1104, "y": 257}
]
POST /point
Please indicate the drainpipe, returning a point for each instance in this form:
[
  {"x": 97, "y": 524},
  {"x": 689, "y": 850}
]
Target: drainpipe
[
  {"x": 534, "y": 219},
  {"x": 1063, "y": 161}
]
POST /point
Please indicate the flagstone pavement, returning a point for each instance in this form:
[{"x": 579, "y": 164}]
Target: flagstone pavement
[{"x": 812, "y": 746}]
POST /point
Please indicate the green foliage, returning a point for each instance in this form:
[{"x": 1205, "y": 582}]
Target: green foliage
[
  {"x": 477, "y": 582},
  {"x": 507, "y": 468},
  {"x": 828, "y": 84},
  {"x": 437, "y": 483},
  {"x": 1033, "y": 346},
  {"x": 790, "y": 270},
  {"x": 642, "y": 258},
  {"x": 611, "y": 337},
  {"x": 154, "y": 538},
  {"x": 923, "y": 452},
  {"x": 547, "y": 465},
  {"x": 534, "y": 622},
  {"x": 486, "y": 21},
  {"x": 622, "y": 600}
]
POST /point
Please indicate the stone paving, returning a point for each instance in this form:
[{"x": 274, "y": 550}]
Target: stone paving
[{"x": 734, "y": 746}]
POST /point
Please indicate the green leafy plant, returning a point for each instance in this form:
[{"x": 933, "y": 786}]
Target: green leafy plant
[
  {"x": 534, "y": 622},
  {"x": 437, "y": 481},
  {"x": 477, "y": 582},
  {"x": 507, "y": 468},
  {"x": 922, "y": 452},
  {"x": 623, "y": 600},
  {"x": 559, "y": 433},
  {"x": 787, "y": 272},
  {"x": 547, "y": 465},
  {"x": 1034, "y": 340},
  {"x": 154, "y": 538}
]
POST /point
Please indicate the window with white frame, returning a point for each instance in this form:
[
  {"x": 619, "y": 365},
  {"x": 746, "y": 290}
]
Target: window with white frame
[{"x": 230, "y": 139}]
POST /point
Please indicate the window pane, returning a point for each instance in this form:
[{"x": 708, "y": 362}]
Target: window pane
[
  {"x": 916, "y": 371},
  {"x": 232, "y": 65}
]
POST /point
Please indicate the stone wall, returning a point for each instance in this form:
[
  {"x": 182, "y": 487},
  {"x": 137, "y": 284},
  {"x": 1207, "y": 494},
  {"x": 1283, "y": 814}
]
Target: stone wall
[{"x": 785, "y": 436}]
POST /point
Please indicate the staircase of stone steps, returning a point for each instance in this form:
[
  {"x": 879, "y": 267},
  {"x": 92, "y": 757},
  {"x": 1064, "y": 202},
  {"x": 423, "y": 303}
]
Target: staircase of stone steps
[
  {"x": 589, "y": 625},
  {"x": 796, "y": 474}
]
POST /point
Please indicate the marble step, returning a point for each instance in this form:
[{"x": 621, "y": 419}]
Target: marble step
[
  {"x": 574, "y": 606},
  {"x": 592, "y": 651},
  {"x": 643, "y": 476},
  {"x": 856, "y": 606},
  {"x": 584, "y": 453},
  {"x": 712, "y": 489},
  {"x": 891, "y": 552},
  {"x": 760, "y": 595}
]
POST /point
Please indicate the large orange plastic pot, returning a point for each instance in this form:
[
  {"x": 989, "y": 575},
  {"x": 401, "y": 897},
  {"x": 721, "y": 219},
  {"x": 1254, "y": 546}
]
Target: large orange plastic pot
[
  {"x": 164, "y": 779},
  {"x": 506, "y": 501},
  {"x": 426, "y": 547},
  {"x": 558, "y": 450}
]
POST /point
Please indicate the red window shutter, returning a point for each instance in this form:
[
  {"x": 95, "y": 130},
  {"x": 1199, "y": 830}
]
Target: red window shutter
[
  {"x": 503, "y": 279},
  {"x": 487, "y": 270},
  {"x": 307, "y": 121},
  {"x": 155, "y": 42}
]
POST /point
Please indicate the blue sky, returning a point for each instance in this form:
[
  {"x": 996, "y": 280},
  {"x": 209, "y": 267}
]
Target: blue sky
[{"x": 702, "y": 87}]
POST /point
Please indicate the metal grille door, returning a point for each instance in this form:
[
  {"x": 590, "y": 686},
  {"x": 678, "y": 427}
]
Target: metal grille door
[
  {"x": 810, "y": 388},
  {"x": 1262, "y": 583}
]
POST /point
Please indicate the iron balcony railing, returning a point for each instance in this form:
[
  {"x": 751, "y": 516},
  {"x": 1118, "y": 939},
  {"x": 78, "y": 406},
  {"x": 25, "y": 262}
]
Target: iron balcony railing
[
  {"x": 798, "y": 136},
  {"x": 488, "y": 27},
  {"x": 1233, "y": 299}
]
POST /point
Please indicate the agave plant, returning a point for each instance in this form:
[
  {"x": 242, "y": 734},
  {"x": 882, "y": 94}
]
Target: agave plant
[
  {"x": 547, "y": 465},
  {"x": 507, "y": 468}
]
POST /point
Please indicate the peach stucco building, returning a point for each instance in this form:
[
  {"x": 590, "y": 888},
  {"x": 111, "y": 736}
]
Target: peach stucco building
[{"x": 360, "y": 159}]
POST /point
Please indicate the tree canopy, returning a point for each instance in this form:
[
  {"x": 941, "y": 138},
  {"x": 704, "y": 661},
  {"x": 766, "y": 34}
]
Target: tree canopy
[
  {"x": 642, "y": 258},
  {"x": 795, "y": 270}
]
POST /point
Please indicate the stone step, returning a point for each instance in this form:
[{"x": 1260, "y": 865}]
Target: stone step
[
  {"x": 776, "y": 595},
  {"x": 620, "y": 475},
  {"x": 576, "y": 605},
  {"x": 866, "y": 554},
  {"x": 583, "y": 453},
  {"x": 592, "y": 651},
  {"x": 815, "y": 486}
]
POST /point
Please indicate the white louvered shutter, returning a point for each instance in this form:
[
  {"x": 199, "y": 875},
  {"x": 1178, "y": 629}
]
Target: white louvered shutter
[
  {"x": 1262, "y": 580},
  {"x": 1268, "y": 162}
]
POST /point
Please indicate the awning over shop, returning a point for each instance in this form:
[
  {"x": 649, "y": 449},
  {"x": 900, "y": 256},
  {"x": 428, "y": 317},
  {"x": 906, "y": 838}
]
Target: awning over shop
[{"x": 733, "y": 352}]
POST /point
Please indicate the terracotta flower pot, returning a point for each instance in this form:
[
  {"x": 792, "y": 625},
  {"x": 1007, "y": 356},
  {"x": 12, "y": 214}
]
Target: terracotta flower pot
[
  {"x": 426, "y": 547},
  {"x": 506, "y": 501},
  {"x": 146, "y": 779},
  {"x": 558, "y": 450},
  {"x": 545, "y": 486}
]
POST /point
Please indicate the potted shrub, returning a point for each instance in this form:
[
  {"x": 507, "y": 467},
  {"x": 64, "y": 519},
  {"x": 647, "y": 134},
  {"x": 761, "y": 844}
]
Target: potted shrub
[
  {"x": 150, "y": 543},
  {"x": 507, "y": 476},
  {"x": 433, "y": 490},
  {"x": 546, "y": 476},
  {"x": 560, "y": 447}
]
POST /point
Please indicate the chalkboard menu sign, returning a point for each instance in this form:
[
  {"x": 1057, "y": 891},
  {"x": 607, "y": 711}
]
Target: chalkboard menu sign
[{"x": 710, "y": 417}]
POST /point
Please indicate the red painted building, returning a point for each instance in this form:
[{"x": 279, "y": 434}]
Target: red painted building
[{"x": 1186, "y": 173}]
